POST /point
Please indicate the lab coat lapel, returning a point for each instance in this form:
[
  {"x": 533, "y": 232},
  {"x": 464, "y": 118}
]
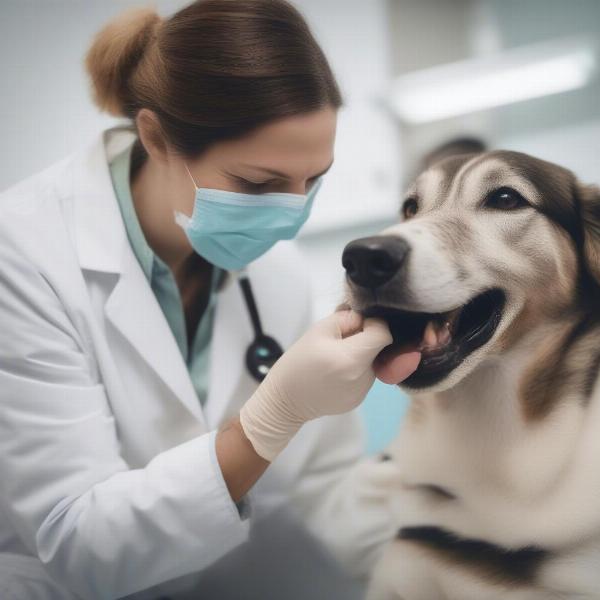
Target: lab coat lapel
[
  {"x": 133, "y": 309},
  {"x": 131, "y": 305}
]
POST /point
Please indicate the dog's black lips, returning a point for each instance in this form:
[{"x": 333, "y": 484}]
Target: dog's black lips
[{"x": 475, "y": 325}]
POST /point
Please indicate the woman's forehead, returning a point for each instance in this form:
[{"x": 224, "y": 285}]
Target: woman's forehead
[
  {"x": 288, "y": 146},
  {"x": 303, "y": 132}
]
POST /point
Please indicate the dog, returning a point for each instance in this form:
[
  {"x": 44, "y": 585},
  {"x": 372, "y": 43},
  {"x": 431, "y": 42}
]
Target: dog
[{"x": 493, "y": 274}]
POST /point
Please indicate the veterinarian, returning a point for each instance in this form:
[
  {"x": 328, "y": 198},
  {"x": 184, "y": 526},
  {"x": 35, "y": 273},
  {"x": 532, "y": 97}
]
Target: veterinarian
[{"x": 136, "y": 442}]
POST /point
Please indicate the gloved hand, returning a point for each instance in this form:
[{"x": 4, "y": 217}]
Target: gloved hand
[{"x": 326, "y": 372}]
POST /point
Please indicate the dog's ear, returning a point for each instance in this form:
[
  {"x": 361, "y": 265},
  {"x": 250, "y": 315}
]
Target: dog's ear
[{"x": 589, "y": 197}]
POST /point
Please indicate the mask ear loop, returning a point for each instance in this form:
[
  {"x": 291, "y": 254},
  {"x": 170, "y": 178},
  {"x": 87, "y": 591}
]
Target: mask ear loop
[
  {"x": 181, "y": 219},
  {"x": 196, "y": 186}
]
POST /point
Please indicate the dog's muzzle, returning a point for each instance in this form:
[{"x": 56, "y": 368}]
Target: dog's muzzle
[{"x": 375, "y": 267}]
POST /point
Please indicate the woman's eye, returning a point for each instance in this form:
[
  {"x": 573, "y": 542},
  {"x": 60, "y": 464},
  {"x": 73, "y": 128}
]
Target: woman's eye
[
  {"x": 505, "y": 198},
  {"x": 252, "y": 186},
  {"x": 410, "y": 208}
]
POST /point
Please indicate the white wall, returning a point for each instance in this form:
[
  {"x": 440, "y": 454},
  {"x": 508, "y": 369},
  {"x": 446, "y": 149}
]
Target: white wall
[
  {"x": 362, "y": 193},
  {"x": 363, "y": 184},
  {"x": 565, "y": 128},
  {"x": 576, "y": 147},
  {"x": 45, "y": 107},
  {"x": 562, "y": 128}
]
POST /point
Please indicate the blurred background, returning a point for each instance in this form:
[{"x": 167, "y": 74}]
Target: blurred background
[{"x": 514, "y": 74}]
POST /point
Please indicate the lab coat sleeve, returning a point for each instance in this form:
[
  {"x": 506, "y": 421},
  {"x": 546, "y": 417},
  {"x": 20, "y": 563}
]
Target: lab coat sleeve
[{"x": 102, "y": 529}]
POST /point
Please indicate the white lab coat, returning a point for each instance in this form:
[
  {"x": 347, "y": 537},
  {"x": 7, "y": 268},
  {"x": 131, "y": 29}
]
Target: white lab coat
[{"x": 109, "y": 483}]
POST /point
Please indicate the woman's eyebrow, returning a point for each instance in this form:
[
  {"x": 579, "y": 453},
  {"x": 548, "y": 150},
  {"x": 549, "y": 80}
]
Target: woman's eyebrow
[{"x": 279, "y": 173}]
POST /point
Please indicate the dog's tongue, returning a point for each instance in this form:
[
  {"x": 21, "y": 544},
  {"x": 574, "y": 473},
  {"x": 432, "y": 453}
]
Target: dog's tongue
[
  {"x": 394, "y": 365},
  {"x": 396, "y": 362}
]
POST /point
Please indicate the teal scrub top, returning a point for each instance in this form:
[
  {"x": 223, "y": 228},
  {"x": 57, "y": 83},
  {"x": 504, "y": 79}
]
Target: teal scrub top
[{"x": 163, "y": 284}]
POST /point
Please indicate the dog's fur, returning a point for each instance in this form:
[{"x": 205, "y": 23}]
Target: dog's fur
[{"x": 496, "y": 485}]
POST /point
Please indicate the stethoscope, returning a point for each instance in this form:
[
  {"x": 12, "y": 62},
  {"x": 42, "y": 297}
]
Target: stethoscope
[{"x": 263, "y": 351}]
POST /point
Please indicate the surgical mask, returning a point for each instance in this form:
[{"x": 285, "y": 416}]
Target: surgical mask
[{"x": 230, "y": 229}]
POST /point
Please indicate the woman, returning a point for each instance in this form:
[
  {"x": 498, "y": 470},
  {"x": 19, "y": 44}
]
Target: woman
[{"x": 124, "y": 464}]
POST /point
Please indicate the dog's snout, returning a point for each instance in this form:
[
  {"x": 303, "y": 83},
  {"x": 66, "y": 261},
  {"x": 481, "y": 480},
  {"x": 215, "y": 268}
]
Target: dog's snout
[{"x": 372, "y": 261}]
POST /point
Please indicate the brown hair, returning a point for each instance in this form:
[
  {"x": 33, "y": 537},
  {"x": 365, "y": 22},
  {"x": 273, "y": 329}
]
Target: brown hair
[{"x": 213, "y": 71}]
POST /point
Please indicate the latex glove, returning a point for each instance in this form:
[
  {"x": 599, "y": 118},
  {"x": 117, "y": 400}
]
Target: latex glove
[{"x": 326, "y": 372}]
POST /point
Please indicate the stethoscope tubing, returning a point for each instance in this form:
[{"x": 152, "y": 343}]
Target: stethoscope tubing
[{"x": 264, "y": 350}]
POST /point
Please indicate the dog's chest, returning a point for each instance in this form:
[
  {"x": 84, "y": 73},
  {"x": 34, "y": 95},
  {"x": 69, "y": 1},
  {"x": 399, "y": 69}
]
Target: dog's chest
[
  {"x": 473, "y": 466},
  {"x": 475, "y": 476}
]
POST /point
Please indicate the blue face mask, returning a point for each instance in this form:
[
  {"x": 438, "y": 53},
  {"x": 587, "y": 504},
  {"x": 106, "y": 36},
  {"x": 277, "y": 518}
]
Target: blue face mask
[{"x": 230, "y": 229}]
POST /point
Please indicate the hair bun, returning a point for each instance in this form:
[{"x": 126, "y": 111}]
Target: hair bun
[{"x": 114, "y": 54}]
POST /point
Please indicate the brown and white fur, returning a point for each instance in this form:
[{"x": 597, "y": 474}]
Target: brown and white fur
[{"x": 496, "y": 482}]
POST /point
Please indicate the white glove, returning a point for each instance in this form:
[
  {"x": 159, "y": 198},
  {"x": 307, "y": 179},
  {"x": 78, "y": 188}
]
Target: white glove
[{"x": 326, "y": 372}]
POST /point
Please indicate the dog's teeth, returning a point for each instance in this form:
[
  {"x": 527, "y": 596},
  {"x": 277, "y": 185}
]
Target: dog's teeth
[
  {"x": 435, "y": 336},
  {"x": 443, "y": 334},
  {"x": 430, "y": 337}
]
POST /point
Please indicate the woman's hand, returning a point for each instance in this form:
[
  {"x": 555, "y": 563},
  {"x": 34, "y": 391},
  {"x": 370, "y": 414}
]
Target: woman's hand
[{"x": 327, "y": 371}]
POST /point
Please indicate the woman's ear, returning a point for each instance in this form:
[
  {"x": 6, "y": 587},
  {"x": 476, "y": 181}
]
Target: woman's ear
[
  {"x": 342, "y": 306},
  {"x": 589, "y": 197},
  {"x": 151, "y": 135}
]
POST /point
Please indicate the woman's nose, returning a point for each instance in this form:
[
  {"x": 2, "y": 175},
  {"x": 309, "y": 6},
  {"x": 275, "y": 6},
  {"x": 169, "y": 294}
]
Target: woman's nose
[{"x": 372, "y": 261}]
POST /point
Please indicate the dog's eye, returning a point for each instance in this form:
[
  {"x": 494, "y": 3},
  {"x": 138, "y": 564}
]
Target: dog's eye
[
  {"x": 505, "y": 198},
  {"x": 410, "y": 208}
]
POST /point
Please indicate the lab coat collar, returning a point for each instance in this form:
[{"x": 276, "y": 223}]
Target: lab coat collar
[
  {"x": 102, "y": 245},
  {"x": 100, "y": 233}
]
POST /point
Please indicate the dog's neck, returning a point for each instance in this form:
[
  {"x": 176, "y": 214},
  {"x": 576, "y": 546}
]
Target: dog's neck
[
  {"x": 485, "y": 421},
  {"x": 555, "y": 360}
]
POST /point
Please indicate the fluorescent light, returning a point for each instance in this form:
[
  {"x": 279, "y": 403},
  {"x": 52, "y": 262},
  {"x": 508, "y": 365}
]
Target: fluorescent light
[{"x": 474, "y": 85}]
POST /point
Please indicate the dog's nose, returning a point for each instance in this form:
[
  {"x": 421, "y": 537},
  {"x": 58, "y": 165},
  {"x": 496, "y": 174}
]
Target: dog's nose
[{"x": 371, "y": 261}]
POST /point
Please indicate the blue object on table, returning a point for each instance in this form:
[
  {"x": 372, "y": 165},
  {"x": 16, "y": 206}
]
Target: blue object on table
[{"x": 383, "y": 411}]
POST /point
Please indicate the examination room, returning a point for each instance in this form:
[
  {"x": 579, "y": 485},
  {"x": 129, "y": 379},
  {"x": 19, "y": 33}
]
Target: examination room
[{"x": 300, "y": 300}]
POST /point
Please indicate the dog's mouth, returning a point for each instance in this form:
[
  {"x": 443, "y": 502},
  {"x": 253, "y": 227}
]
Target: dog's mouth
[{"x": 444, "y": 339}]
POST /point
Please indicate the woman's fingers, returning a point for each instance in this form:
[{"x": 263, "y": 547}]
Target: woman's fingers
[
  {"x": 369, "y": 342},
  {"x": 341, "y": 324}
]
